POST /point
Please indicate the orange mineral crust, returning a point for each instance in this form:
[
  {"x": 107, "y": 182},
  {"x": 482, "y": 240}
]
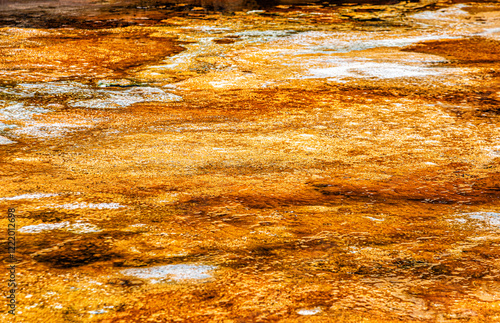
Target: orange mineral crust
[{"x": 320, "y": 162}]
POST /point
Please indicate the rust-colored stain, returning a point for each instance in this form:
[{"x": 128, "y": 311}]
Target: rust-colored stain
[{"x": 300, "y": 163}]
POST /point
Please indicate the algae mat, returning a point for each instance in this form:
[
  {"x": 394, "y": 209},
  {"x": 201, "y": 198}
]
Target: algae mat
[{"x": 299, "y": 163}]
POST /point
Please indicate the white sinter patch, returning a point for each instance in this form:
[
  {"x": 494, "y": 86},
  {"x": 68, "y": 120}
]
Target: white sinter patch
[
  {"x": 312, "y": 311},
  {"x": 45, "y": 130},
  {"x": 349, "y": 68},
  {"x": 318, "y": 42},
  {"x": 491, "y": 218},
  {"x": 452, "y": 13},
  {"x": 171, "y": 272},
  {"x": 18, "y": 111},
  {"x": 125, "y": 98},
  {"x": 78, "y": 227},
  {"x": 28, "y": 196},
  {"x": 6, "y": 141},
  {"x": 83, "y": 205}
]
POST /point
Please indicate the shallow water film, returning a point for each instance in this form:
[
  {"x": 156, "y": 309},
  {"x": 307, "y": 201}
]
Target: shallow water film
[{"x": 250, "y": 161}]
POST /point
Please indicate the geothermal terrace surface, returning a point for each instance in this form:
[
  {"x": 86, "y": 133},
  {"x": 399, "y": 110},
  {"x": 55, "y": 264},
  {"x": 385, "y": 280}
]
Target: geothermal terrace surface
[{"x": 313, "y": 163}]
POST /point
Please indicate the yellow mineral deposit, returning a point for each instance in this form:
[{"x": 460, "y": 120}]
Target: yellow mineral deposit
[{"x": 327, "y": 162}]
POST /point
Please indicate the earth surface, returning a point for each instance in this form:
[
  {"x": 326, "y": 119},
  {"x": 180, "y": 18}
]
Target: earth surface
[{"x": 298, "y": 163}]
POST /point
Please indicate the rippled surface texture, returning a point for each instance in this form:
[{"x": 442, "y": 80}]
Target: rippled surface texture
[{"x": 303, "y": 163}]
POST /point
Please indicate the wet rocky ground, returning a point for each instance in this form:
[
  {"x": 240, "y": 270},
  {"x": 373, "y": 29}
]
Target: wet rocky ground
[{"x": 302, "y": 163}]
